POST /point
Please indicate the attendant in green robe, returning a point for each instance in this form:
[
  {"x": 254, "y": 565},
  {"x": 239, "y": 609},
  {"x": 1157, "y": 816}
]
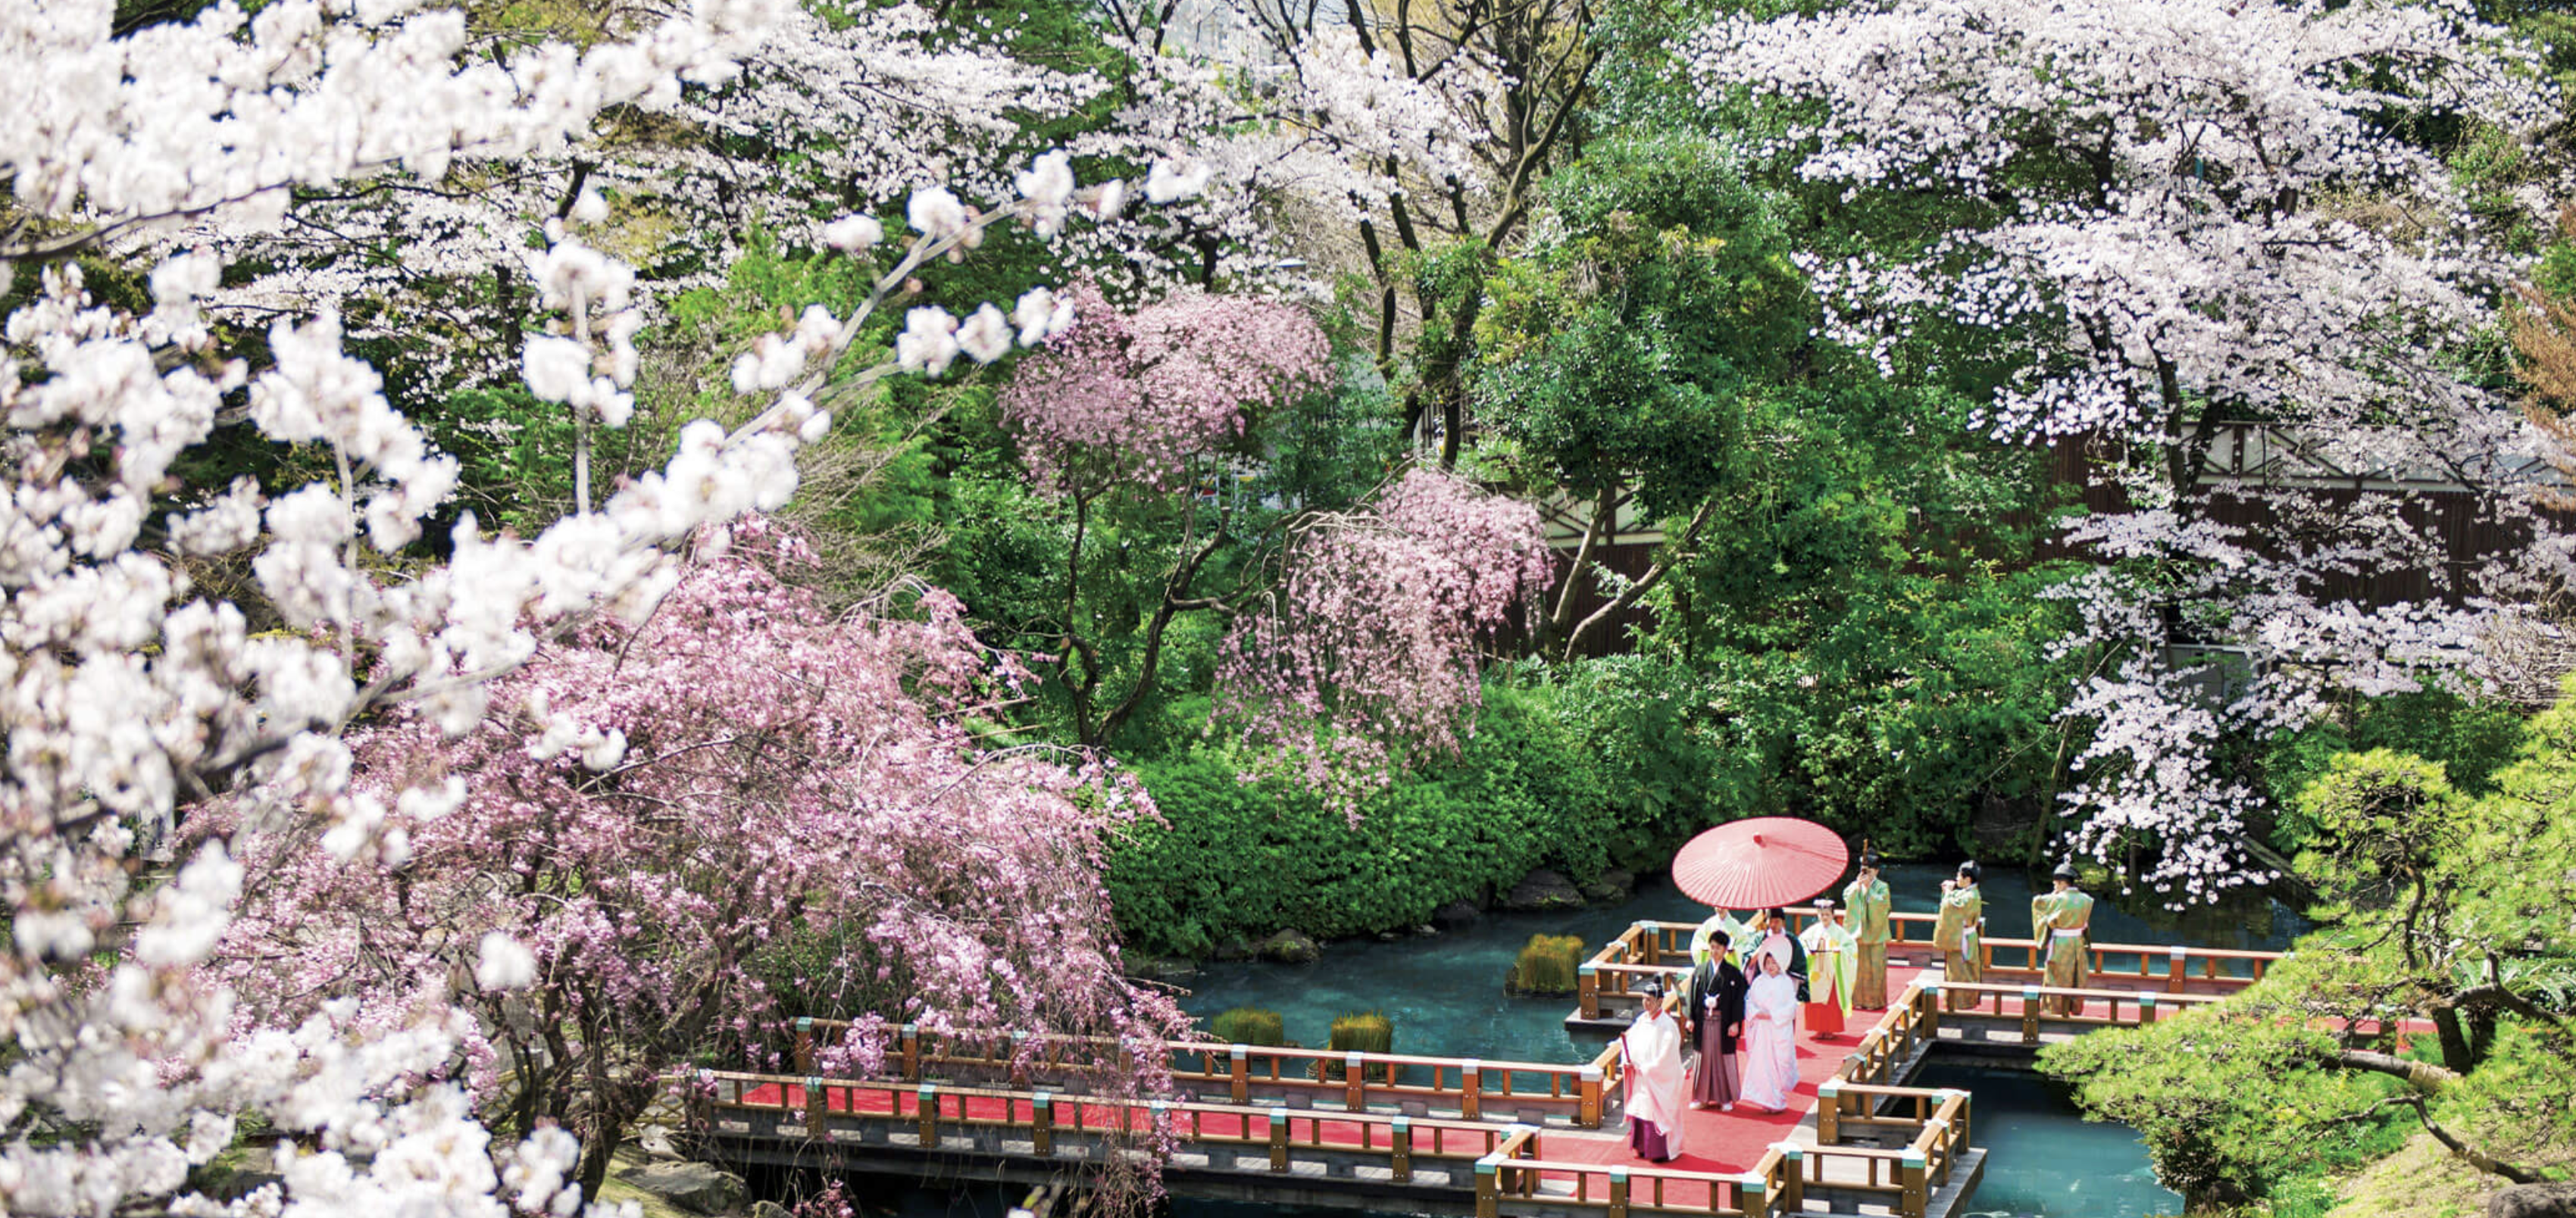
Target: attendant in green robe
[
  {"x": 2060, "y": 920},
  {"x": 1962, "y": 960},
  {"x": 1867, "y": 900}
]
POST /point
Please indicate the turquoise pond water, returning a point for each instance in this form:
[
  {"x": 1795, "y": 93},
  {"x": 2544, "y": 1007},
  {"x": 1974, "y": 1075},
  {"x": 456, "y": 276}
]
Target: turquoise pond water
[{"x": 1444, "y": 994}]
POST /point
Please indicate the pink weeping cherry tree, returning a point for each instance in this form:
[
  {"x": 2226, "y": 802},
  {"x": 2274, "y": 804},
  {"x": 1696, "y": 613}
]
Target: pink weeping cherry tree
[
  {"x": 1122, "y": 410},
  {"x": 1368, "y": 647},
  {"x": 687, "y": 831}
]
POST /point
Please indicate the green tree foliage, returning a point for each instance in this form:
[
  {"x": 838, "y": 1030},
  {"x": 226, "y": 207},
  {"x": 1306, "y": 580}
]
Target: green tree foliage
[{"x": 2437, "y": 909}]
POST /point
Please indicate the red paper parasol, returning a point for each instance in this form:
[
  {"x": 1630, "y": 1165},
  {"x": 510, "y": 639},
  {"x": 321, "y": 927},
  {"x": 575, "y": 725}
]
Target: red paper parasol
[{"x": 1760, "y": 863}]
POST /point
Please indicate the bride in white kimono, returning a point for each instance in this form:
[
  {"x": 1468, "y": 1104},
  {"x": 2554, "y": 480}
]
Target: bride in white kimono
[{"x": 1770, "y": 1035}]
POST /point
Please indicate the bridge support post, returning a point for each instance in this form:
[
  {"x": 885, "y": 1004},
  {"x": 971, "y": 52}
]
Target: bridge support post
[
  {"x": 2030, "y": 1014},
  {"x": 1471, "y": 1089},
  {"x": 911, "y": 1040},
  {"x": 804, "y": 1044},
  {"x": 1239, "y": 1073},
  {"x": 1589, "y": 1114},
  {"x": 1829, "y": 1112},
  {"x": 1354, "y": 1082},
  {"x": 1279, "y": 1137},
  {"x": 2146, "y": 1009},
  {"x": 1618, "y": 1193},
  {"x": 816, "y": 1111},
  {"x": 925, "y": 1108},
  {"x": 1587, "y": 989},
  {"x": 1793, "y": 1176},
  {"x": 1401, "y": 1152},
  {"x": 1042, "y": 1124},
  {"x": 1910, "y": 1173},
  {"x": 1489, "y": 1187},
  {"x": 1926, "y": 1023},
  {"x": 2177, "y": 968}
]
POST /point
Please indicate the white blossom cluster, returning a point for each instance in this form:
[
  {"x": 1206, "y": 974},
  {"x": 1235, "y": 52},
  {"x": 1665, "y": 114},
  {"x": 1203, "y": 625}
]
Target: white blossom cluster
[
  {"x": 2203, "y": 215},
  {"x": 128, "y": 692}
]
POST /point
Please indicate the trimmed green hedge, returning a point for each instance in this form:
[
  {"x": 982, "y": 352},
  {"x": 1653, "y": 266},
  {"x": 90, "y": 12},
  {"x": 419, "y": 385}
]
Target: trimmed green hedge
[{"x": 1238, "y": 861}]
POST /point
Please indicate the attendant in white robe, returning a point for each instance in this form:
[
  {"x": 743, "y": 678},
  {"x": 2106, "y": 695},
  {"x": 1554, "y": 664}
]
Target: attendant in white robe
[
  {"x": 1650, "y": 1053},
  {"x": 1770, "y": 1036}
]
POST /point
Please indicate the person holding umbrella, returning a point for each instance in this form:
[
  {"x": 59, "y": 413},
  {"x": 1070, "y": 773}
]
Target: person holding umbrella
[
  {"x": 1955, "y": 935},
  {"x": 2060, "y": 920}
]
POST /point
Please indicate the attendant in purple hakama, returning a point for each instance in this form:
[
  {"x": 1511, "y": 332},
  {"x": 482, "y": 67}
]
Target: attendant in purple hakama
[{"x": 1650, "y": 1054}]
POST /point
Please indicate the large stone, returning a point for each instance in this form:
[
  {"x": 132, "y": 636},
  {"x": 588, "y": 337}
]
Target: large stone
[
  {"x": 770, "y": 1209},
  {"x": 694, "y": 1187},
  {"x": 1613, "y": 887},
  {"x": 1288, "y": 947},
  {"x": 2557, "y": 1200},
  {"x": 1457, "y": 915},
  {"x": 1159, "y": 968},
  {"x": 1543, "y": 890}
]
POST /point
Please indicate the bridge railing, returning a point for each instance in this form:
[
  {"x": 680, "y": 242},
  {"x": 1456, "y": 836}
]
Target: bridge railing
[
  {"x": 1661, "y": 950},
  {"x": 1473, "y": 1088},
  {"x": 825, "y": 1112}
]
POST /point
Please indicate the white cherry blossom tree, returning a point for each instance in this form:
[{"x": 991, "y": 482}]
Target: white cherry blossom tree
[
  {"x": 131, "y": 693},
  {"x": 2187, "y": 223}
]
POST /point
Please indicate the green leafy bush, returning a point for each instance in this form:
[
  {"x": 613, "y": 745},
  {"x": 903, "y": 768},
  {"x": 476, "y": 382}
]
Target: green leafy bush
[
  {"x": 1546, "y": 965},
  {"x": 1362, "y": 1032}
]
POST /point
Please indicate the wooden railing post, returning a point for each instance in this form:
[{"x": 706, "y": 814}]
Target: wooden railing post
[
  {"x": 2030, "y": 1014},
  {"x": 1042, "y": 1124},
  {"x": 1354, "y": 1081},
  {"x": 815, "y": 1109},
  {"x": 1967, "y": 1102},
  {"x": 1238, "y": 1074},
  {"x": 2177, "y": 967},
  {"x": 1279, "y": 1137},
  {"x": 1653, "y": 948},
  {"x": 1588, "y": 1115},
  {"x": 804, "y": 1044},
  {"x": 1400, "y": 1152},
  {"x": 1753, "y": 1194},
  {"x": 1587, "y": 988},
  {"x": 1793, "y": 1177},
  {"x": 1618, "y": 1193},
  {"x": 1910, "y": 1174},
  {"x": 1927, "y": 1009},
  {"x": 1829, "y": 1112},
  {"x": 925, "y": 1109},
  {"x": 1489, "y": 1187},
  {"x": 2146, "y": 1008},
  {"x": 1471, "y": 1089},
  {"x": 911, "y": 1053}
]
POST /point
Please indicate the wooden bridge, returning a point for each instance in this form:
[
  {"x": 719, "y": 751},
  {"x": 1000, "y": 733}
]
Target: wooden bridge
[{"x": 1444, "y": 1135}]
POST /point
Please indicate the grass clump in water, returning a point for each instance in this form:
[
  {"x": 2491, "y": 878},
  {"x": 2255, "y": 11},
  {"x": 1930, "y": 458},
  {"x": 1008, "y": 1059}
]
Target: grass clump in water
[
  {"x": 1547, "y": 965},
  {"x": 1363, "y": 1032},
  {"x": 1249, "y": 1026}
]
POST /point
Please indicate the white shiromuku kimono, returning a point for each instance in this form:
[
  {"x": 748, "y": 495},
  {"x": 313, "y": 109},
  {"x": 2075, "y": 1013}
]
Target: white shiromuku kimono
[
  {"x": 1770, "y": 1039},
  {"x": 1657, "y": 1096}
]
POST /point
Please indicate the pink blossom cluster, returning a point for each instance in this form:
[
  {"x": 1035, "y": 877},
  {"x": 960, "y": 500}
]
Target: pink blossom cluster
[
  {"x": 661, "y": 804},
  {"x": 1368, "y": 647},
  {"x": 1148, "y": 394}
]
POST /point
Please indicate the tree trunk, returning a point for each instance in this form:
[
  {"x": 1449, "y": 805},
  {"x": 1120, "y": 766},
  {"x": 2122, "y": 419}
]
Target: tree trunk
[{"x": 2455, "y": 1044}]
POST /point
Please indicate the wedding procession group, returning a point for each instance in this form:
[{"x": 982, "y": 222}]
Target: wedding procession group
[{"x": 1728, "y": 1038}]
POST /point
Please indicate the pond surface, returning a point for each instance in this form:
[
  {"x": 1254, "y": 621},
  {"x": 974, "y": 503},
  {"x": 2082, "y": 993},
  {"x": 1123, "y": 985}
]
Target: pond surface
[{"x": 1444, "y": 994}]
